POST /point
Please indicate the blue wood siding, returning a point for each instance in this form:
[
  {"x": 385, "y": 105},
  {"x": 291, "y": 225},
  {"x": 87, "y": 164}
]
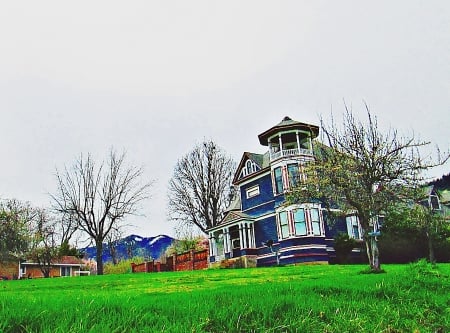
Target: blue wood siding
[
  {"x": 265, "y": 192},
  {"x": 264, "y": 230}
]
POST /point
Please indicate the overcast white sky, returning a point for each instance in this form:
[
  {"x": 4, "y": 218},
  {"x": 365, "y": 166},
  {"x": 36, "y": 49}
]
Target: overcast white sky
[{"x": 156, "y": 77}]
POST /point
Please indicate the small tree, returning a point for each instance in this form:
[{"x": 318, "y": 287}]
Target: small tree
[
  {"x": 99, "y": 198},
  {"x": 16, "y": 219},
  {"x": 199, "y": 188},
  {"x": 43, "y": 249},
  {"x": 365, "y": 171}
]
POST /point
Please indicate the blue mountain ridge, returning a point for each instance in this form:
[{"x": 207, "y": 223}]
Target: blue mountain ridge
[{"x": 133, "y": 246}]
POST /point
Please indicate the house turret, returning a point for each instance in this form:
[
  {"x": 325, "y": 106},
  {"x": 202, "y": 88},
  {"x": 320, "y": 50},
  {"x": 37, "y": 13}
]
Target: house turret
[
  {"x": 289, "y": 138},
  {"x": 290, "y": 147}
]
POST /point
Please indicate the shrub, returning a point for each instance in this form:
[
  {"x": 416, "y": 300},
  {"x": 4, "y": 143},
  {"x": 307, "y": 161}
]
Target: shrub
[
  {"x": 123, "y": 266},
  {"x": 343, "y": 245}
]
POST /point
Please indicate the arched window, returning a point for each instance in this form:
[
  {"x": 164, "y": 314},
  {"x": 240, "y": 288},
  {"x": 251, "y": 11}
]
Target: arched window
[{"x": 249, "y": 168}]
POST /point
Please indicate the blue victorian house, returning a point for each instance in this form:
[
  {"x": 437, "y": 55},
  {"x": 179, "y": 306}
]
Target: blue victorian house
[{"x": 260, "y": 228}]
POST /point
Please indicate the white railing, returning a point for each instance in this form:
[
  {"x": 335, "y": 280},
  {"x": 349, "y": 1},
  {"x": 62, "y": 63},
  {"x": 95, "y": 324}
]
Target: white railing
[{"x": 290, "y": 152}]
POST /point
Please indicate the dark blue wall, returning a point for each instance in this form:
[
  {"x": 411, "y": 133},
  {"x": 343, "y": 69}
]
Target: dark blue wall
[{"x": 265, "y": 192}]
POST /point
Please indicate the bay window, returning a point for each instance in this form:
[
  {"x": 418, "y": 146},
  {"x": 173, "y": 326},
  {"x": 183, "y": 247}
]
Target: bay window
[{"x": 300, "y": 220}]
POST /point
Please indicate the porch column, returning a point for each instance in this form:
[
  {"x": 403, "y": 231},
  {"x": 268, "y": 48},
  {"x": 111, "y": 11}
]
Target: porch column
[
  {"x": 270, "y": 149},
  {"x": 253, "y": 240},
  {"x": 281, "y": 144},
  {"x": 241, "y": 236},
  {"x": 210, "y": 238},
  {"x": 245, "y": 234},
  {"x": 225, "y": 241},
  {"x": 310, "y": 143},
  {"x": 227, "y": 237},
  {"x": 298, "y": 142}
]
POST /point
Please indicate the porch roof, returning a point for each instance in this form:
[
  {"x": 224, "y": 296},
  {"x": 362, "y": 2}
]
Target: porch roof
[{"x": 230, "y": 218}]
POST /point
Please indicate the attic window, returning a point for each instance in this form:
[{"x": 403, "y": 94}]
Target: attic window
[{"x": 249, "y": 168}]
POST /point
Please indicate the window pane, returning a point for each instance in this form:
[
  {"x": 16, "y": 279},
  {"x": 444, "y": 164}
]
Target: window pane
[
  {"x": 278, "y": 180},
  {"x": 300, "y": 228},
  {"x": 284, "y": 231},
  {"x": 293, "y": 174},
  {"x": 299, "y": 215},
  {"x": 316, "y": 228},
  {"x": 315, "y": 215}
]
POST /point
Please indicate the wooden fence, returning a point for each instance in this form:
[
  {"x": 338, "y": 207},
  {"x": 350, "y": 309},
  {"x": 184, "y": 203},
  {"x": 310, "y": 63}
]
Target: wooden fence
[{"x": 187, "y": 261}]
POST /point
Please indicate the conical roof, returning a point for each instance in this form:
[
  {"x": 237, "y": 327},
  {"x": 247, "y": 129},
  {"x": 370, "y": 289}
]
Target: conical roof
[{"x": 287, "y": 124}]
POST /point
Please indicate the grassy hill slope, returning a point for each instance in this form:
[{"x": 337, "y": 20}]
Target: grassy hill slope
[{"x": 285, "y": 299}]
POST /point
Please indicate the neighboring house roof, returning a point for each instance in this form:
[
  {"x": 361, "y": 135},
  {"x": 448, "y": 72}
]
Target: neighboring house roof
[
  {"x": 287, "y": 124},
  {"x": 63, "y": 261}
]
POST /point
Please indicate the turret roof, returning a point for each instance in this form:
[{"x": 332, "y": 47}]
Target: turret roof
[{"x": 287, "y": 124}]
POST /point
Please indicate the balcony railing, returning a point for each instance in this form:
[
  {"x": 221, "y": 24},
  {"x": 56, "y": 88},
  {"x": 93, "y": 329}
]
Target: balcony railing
[{"x": 290, "y": 152}]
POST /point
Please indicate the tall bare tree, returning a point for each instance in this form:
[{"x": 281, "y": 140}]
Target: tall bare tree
[
  {"x": 100, "y": 197},
  {"x": 365, "y": 171},
  {"x": 199, "y": 188}
]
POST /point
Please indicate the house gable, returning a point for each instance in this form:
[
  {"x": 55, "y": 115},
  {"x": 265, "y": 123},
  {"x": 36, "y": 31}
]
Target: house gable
[{"x": 250, "y": 164}]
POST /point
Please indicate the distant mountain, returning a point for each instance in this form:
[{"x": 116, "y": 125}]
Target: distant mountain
[{"x": 132, "y": 246}]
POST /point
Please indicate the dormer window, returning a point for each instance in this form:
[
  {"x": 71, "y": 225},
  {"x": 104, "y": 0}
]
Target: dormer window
[{"x": 249, "y": 168}]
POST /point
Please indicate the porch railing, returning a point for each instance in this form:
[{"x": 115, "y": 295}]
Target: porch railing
[{"x": 290, "y": 152}]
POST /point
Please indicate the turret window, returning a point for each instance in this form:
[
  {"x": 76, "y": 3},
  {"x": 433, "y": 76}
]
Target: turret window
[
  {"x": 278, "y": 180},
  {"x": 286, "y": 178}
]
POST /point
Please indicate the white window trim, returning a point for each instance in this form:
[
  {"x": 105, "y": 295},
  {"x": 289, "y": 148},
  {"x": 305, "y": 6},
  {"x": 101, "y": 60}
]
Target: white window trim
[{"x": 252, "y": 191}]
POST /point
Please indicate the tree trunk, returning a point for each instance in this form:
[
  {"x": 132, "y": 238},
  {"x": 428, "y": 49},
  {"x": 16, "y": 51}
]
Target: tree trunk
[
  {"x": 431, "y": 257},
  {"x": 373, "y": 254},
  {"x": 375, "y": 264},
  {"x": 99, "y": 248}
]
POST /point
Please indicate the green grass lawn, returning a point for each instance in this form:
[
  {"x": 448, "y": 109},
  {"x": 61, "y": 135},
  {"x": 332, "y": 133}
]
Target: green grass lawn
[{"x": 408, "y": 298}]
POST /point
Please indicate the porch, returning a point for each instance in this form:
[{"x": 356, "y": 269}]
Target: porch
[{"x": 233, "y": 241}]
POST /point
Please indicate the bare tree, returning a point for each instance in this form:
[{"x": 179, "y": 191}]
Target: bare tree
[
  {"x": 43, "y": 246},
  {"x": 364, "y": 171},
  {"x": 198, "y": 190},
  {"x": 99, "y": 198},
  {"x": 113, "y": 239}
]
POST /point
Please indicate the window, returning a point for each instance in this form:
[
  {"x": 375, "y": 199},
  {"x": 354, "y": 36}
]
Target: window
[
  {"x": 278, "y": 175},
  {"x": 284, "y": 224},
  {"x": 293, "y": 174},
  {"x": 250, "y": 167},
  {"x": 315, "y": 221},
  {"x": 300, "y": 222},
  {"x": 252, "y": 191},
  {"x": 65, "y": 271},
  {"x": 353, "y": 227}
]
